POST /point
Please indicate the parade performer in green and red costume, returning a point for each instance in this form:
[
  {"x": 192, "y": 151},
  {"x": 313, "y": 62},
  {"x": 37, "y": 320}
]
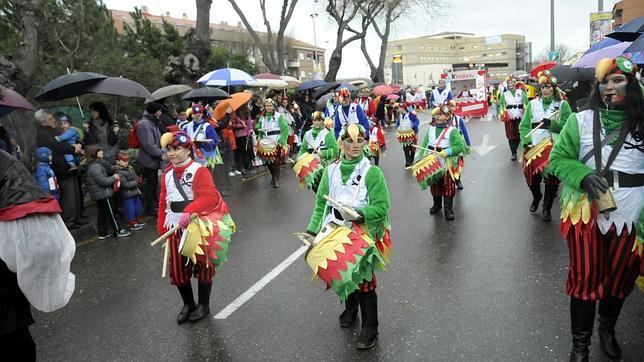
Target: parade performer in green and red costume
[
  {"x": 438, "y": 163},
  {"x": 319, "y": 148},
  {"x": 511, "y": 106},
  {"x": 545, "y": 116},
  {"x": 189, "y": 199},
  {"x": 407, "y": 131},
  {"x": 352, "y": 232},
  {"x": 273, "y": 132},
  {"x": 605, "y": 248}
]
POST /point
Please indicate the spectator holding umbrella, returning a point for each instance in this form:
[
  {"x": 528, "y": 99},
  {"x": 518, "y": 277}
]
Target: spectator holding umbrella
[
  {"x": 70, "y": 196},
  {"x": 150, "y": 155}
]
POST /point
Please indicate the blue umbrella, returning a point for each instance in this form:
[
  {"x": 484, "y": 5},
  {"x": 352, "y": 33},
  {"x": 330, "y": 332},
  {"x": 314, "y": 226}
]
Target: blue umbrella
[
  {"x": 589, "y": 60},
  {"x": 227, "y": 77},
  {"x": 637, "y": 46},
  {"x": 310, "y": 84},
  {"x": 629, "y": 31},
  {"x": 606, "y": 42}
]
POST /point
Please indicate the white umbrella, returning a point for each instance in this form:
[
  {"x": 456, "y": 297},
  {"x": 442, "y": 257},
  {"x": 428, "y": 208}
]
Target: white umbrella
[
  {"x": 227, "y": 77},
  {"x": 292, "y": 81}
]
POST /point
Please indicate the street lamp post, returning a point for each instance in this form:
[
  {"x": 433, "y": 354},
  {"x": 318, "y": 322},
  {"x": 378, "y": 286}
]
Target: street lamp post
[{"x": 315, "y": 46}]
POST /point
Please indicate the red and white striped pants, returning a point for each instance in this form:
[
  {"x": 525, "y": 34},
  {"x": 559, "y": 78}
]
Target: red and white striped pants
[{"x": 181, "y": 270}]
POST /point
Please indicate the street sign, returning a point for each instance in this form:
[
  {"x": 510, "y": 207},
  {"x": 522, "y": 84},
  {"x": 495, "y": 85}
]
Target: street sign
[{"x": 553, "y": 56}]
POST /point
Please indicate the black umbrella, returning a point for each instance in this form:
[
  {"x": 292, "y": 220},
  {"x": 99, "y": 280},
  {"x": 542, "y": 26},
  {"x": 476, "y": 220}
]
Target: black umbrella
[
  {"x": 325, "y": 89},
  {"x": 118, "y": 86},
  {"x": 206, "y": 93},
  {"x": 629, "y": 31},
  {"x": 311, "y": 84},
  {"x": 565, "y": 73},
  {"x": 68, "y": 85},
  {"x": 320, "y": 104}
]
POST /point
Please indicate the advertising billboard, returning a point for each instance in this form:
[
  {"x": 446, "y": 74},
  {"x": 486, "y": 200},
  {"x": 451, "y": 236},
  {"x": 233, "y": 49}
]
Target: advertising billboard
[{"x": 601, "y": 23}]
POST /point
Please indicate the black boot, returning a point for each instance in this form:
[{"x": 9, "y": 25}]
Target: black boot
[
  {"x": 609, "y": 309},
  {"x": 438, "y": 205},
  {"x": 188, "y": 303},
  {"x": 350, "y": 313},
  {"x": 449, "y": 213},
  {"x": 582, "y": 318},
  {"x": 548, "y": 198},
  {"x": 514, "y": 145},
  {"x": 203, "y": 308},
  {"x": 459, "y": 184},
  {"x": 369, "y": 313},
  {"x": 536, "y": 196}
]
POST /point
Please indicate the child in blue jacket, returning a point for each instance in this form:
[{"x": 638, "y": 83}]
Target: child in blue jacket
[
  {"x": 70, "y": 135},
  {"x": 44, "y": 174}
]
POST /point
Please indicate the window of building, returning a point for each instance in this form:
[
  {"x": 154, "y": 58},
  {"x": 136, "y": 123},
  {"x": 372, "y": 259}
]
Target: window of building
[
  {"x": 484, "y": 55},
  {"x": 302, "y": 74},
  {"x": 301, "y": 56},
  {"x": 422, "y": 47},
  {"x": 474, "y": 46},
  {"x": 398, "y": 47},
  {"x": 309, "y": 57},
  {"x": 461, "y": 48},
  {"x": 504, "y": 53}
]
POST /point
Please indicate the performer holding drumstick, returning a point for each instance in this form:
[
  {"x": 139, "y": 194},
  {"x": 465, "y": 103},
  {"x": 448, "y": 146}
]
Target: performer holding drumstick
[
  {"x": 189, "y": 200},
  {"x": 440, "y": 173},
  {"x": 351, "y": 212},
  {"x": 273, "y": 134}
]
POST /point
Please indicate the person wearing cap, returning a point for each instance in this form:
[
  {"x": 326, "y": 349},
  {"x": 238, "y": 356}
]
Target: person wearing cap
[
  {"x": 70, "y": 135},
  {"x": 439, "y": 94},
  {"x": 187, "y": 188},
  {"x": 150, "y": 155},
  {"x": 407, "y": 131},
  {"x": 547, "y": 114},
  {"x": 272, "y": 126},
  {"x": 205, "y": 138},
  {"x": 358, "y": 185},
  {"x": 349, "y": 113},
  {"x": 604, "y": 236},
  {"x": 129, "y": 191},
  {"x": 512, "y": 102},
  {"x": 448, "y": 143}
]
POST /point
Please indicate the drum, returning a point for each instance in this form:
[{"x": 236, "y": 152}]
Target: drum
[
  {"x": 428, "y": 171},
  {"x": 208, "y": 236},
  {"x": 342, "y": 258},
  {"x": 267, "y": 149},
  {"x": 536, "y": 159},
  {"x": 406, "y": 137},
  {"x": 308, "y": 170}
]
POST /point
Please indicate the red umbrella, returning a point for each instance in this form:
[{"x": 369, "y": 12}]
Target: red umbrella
[
  {"x": 10, "y": 100},
  {"x": 541, "y": 67},
  {"x": 392, "y": 96},
  {"x": 382, "y": 90}
]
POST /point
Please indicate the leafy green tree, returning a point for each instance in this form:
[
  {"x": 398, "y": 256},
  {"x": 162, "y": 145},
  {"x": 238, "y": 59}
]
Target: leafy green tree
[
  {"x": 145, "y": 38},
  {"x": 224, "y": 58}
]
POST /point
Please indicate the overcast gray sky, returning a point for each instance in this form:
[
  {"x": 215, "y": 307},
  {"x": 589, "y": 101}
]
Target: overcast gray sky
[{"x": 482, "y": 17}]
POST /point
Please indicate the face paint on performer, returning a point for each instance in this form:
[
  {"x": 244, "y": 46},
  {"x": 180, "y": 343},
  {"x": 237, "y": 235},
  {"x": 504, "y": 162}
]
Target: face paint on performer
[
  {"x": 512, "y": 84},
  {"x": 177, "y": 155},
  {"x": 613, "y": 90},
  {"x": 547, "y": 90}
]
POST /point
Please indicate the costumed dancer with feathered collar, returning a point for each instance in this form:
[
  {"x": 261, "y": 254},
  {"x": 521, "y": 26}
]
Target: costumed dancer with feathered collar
[{"x": 319, "y": 149}]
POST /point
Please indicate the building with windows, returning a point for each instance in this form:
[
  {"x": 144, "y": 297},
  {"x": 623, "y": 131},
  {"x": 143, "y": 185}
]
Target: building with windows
[
  {"x": 421, "y": 60},
  {"x": 627, "y": 10},
  {"x": 299, "y": 57}
]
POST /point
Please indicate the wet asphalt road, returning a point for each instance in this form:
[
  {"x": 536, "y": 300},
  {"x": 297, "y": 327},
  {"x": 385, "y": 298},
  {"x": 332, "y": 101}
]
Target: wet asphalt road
[{"x": 488, "y": 286}]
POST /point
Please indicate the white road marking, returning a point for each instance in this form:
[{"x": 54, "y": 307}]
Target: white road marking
[
  {"x": 245, "y": 297},
  {"x": 485, "y": 146}
]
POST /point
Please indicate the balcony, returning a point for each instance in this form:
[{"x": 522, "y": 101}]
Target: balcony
[{"x": 293, "y": 63}]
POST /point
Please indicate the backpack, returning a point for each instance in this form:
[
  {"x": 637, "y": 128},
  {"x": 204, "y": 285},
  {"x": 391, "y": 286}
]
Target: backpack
[{"x": 132, "y": 138}]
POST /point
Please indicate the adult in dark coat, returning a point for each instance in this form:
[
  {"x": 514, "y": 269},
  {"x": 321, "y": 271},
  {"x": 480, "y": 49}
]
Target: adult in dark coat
[
  {"x": 70, "y": 195},
  {"x": 103, "y": 131},
  {"x": 150, "y": 155}
]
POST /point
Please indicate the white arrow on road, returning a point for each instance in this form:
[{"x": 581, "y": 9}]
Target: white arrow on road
[{"x": 485, "y": 147}]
